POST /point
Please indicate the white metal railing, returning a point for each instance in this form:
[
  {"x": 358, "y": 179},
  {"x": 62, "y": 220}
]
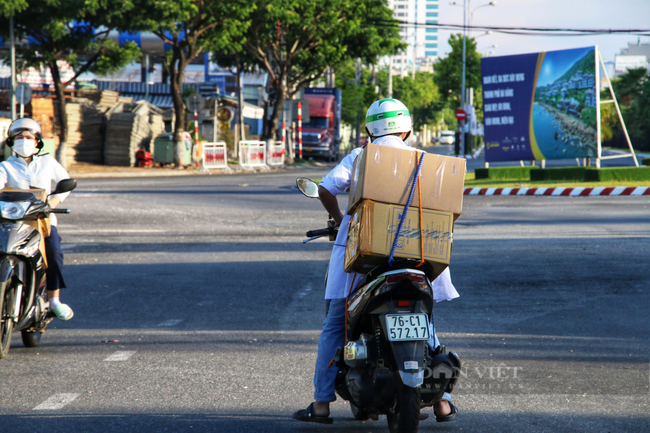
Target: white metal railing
[
  {"x": 276, "y": 155},
  {"x": 215, "y": 155},
  {"x": 252, "y": 154}
]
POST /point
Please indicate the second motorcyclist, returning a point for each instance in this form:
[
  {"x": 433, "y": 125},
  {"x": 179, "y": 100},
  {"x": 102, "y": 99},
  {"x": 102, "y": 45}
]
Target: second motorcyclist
[
  {"x": 339, "y": 282},
  {"x": 25, "y": 169}
]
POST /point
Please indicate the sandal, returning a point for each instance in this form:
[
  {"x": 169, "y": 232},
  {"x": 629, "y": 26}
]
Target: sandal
[
  {"x": 450, "y": 416},
  {"x": 308, "y": 415},
  {"x": 63, "y": 312}
]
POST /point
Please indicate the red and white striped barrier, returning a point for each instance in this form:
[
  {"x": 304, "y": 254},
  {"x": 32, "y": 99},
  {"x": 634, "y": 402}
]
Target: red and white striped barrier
[{"x": 562, "y": 191}]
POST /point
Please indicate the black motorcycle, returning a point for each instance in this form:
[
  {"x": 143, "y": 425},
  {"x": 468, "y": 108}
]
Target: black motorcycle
[
  {"x": 24, "y": 305},
  {"x": 386, "y": 366}
]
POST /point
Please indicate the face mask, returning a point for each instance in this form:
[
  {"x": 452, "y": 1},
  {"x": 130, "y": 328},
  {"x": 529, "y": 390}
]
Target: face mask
[{"x": 24, "y": 147}]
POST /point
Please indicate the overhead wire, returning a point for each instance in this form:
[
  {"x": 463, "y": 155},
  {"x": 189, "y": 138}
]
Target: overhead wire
[{"x": 524, "y": 31}]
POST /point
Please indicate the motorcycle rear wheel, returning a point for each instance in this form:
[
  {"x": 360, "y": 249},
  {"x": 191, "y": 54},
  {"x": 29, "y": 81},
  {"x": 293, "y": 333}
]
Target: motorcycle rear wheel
[
  {"x": 6, "y": 324},
  {"x": 358, "y": 413},
  {"x": 405, "y": 416},
  {"x": 31, "y": 338}
]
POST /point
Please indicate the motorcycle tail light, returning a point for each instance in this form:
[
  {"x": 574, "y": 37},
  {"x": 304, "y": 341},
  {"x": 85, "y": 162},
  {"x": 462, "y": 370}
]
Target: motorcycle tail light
[
  {"x": 414, "y": 278},
  {"x": 403, "y": 303}
]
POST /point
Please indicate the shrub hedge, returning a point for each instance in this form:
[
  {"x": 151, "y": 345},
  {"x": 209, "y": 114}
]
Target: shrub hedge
[
  {"x": 618, "y": 174},
  {"x": 561, "y": 173},
  {"x": 504, "y": 173},
  {"x": 646, "y": 161}
]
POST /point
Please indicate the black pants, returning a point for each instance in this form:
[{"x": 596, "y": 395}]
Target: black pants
[{"x": 53, "y": 274}]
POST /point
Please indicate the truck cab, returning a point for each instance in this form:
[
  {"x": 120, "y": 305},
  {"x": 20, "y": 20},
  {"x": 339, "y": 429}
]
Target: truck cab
[{"x": 321, "y": 135}]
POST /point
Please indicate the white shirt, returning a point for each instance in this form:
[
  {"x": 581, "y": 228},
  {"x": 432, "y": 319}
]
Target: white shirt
[
  {"x": 339, "y": 282},
  {"x": 40, "y": 173}
]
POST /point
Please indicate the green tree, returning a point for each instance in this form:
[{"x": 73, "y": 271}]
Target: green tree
[
  {"x": 296, "y": 41},
  {"x": 9, "y": 7},
  {"x": 67, "y": 30},
  {"x": 448, "y": 73},
  {"x": 420, "y": 94},
  {"x": 632, "y": 91},
  {"x": 188, "y": 26}
]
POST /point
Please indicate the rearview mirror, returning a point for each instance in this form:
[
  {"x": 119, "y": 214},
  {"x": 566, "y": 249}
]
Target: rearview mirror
[
  {"x": 308, "y": 187},
  {"x": 66, "y": 185}
]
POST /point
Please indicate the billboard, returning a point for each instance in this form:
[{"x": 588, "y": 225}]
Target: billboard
[{"x": 540, "y": 106}]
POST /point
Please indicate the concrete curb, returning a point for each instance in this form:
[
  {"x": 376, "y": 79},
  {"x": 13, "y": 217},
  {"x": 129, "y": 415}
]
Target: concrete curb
[
  {"x": 562, "y": 191},
  {"x": 168, "y": 172}
]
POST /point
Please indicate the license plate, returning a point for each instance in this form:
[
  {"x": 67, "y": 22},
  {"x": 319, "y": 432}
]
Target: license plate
[
  {"x": 308, "y": 149},
  {"x": 407, "y": 327}
]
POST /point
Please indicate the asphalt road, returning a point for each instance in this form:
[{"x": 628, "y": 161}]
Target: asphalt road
[{"x": 197, "y": 308}]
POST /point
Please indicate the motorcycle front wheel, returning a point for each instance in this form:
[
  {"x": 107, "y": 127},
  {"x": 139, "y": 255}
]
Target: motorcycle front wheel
[
  {"x": 6, "y": 324},
  {"x": 405, "y": 416}
]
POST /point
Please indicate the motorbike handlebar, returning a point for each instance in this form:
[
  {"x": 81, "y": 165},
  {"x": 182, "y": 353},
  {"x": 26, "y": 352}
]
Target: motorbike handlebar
[
  {"x": 319, "y": 232},
  {"x": 59, "y": 210}
]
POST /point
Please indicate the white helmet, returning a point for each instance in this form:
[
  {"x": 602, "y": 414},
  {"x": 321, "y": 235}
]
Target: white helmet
[
  {"x": 25, "y": 123},
  {"x": 387, "y": 116}
]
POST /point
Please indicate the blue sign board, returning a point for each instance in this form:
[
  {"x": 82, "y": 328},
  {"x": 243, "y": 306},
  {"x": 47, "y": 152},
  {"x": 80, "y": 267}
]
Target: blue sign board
[{"x": 540, "y": 106}]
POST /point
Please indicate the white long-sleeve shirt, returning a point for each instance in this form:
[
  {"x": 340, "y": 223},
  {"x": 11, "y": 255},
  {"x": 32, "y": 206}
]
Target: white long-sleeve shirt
[
  {"x": 42, "y": 172},
  {"x": 340, "y": 282}
]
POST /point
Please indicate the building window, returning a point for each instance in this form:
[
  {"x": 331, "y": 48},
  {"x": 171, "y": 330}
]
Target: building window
[
  {"x": 434, "y": 7},
  {"x": 432, "y": 30},
  {"x": 431, "y": 53},
  {"x": 432, "y": 22},
  {"x": 431, "y": 38},
  {"x": 432, "y": 14},
  {"x": 431, "y": 45}
]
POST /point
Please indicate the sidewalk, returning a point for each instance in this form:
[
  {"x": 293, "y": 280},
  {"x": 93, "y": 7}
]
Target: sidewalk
[{"x": 80, "y": 171}]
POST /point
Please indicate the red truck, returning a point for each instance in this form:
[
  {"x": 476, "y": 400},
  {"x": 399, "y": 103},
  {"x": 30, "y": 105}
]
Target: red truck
[{"x": 321, "y": 136}]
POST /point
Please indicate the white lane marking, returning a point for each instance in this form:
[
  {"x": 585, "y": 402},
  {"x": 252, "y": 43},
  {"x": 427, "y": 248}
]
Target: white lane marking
[
  {"x": 57, "y": 401},
  {"x": 121, "y": 355},
  {"x": 170, "y": 322}
]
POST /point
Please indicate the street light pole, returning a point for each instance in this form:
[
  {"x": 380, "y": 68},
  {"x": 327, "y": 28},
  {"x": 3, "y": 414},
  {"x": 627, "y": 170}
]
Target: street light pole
[
  {"x": 466, "y": 8},
  {"x": 462, "y": 87}
]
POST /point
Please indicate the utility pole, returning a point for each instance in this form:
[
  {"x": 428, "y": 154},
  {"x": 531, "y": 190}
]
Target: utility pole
[
  {"x": 462, "y": 93},
  {"x": 12, "y": 97},
  {"x": 357, "y": 82},
  {"x": 390, "y": 76}
]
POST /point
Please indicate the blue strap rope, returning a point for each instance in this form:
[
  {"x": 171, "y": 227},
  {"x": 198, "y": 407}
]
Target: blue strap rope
[{"x": 408, "y": 203}]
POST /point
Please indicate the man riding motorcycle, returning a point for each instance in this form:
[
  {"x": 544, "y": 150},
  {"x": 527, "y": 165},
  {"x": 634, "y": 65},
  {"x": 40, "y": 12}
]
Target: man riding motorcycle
[
  {"x": 340, "y": 283},
  {"x": 27, "y": 169}
]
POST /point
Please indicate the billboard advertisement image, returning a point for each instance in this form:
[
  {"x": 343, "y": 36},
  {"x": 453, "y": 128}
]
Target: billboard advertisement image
[{"x": 540, "y": 106}]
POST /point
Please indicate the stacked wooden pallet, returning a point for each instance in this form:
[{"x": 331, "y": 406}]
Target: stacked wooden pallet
[
  {"x": 84, "y": 141},
  {"x": 108, "y": 98},
  {"x": 129, "y": 128},
  {"x": 43, "y": 113}
]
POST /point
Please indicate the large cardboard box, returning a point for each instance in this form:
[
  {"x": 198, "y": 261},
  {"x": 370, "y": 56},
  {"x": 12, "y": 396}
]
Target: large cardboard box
[
  {"x": 385, "y": 174},
  {"x": 372, "y": 230}
]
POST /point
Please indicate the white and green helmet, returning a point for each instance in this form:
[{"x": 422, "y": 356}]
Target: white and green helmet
[{"x": 387, "y": 116}]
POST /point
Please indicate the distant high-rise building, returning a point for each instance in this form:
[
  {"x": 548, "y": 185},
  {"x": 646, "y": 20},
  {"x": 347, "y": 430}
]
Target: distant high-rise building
[{"x": 422, "y": 41}]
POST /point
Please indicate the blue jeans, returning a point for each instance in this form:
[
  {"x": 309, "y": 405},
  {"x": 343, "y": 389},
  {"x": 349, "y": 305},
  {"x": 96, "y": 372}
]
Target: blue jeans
[
  {"x": 53, "y": 274},
  {"x": 332, "y": 337}
]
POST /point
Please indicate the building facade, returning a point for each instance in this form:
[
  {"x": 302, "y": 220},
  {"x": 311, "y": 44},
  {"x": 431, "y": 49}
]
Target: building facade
[{"x": 422, "y": 40}]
